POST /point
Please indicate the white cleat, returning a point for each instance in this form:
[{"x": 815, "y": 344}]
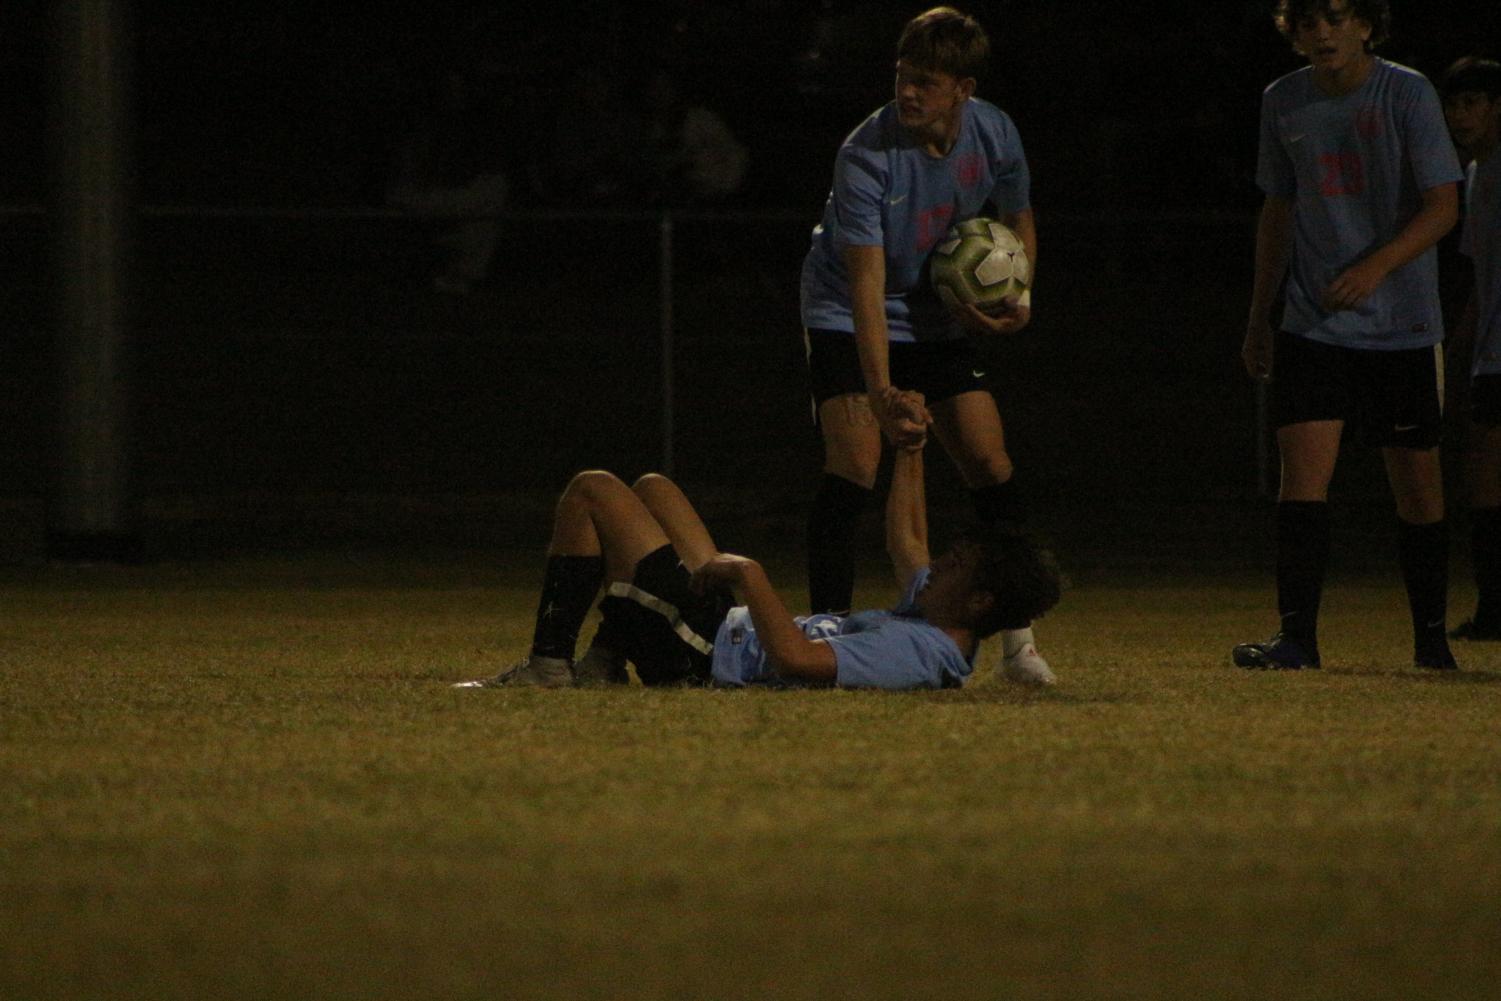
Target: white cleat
[{"x": 1027, "y": 667}]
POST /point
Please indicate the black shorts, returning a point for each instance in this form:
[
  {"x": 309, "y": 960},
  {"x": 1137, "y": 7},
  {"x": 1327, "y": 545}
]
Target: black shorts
[
  {"x": 939, "y": 370},
  {"x": 660, "y": 625},
  {"x": 1387, "y": 399},
  {"x": 1485, "y": 400}
]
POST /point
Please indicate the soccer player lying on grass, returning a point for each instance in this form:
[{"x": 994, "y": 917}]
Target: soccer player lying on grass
[{"x": 669, "y": 608}]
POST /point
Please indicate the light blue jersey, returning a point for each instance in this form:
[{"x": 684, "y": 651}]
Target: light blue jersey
[
  {"x": 1355, "y": 168},
  {"x": 888, "y": 192},
  {"x": 1481, "y": 241},
  {"x": 896, "y": 649}
]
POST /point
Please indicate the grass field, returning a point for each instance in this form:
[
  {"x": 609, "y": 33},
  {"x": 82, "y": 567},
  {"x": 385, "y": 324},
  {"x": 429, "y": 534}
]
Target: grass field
[{"x": 248, "y": 778}]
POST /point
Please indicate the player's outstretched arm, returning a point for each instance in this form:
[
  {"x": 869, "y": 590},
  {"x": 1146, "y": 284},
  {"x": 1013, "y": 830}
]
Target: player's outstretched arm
[
  {"x": 867, "y": 271},
  {"x": 790, "y": 653},
  {"x": 1274, "y": 229},
  {"x": 1438, "y": 215},
  {"x": 907, "y": 517}
]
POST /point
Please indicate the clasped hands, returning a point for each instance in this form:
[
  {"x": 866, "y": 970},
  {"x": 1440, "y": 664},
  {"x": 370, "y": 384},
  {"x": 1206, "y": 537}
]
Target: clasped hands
[{"x": 903, "y": 417}]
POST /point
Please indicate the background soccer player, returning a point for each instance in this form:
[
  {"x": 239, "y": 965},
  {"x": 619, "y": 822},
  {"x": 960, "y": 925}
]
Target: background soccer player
[
  {"x": 1359, "y": 174},
  {"x": 936, "y": 155},
  {"x": 1472, "y": 105}
]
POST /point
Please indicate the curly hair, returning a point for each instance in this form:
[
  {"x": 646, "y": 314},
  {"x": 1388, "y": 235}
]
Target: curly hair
[
  {"x": 1376, "y": 13},
  {"x": 1021, "y": 576},
  {"x": 945, "y": 40}
]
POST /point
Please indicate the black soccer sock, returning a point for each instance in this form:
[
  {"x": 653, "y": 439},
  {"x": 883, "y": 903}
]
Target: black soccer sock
[
  {"x": 612, "y": 632},
  {"x": 568, "y": 589},
  {"x": 1423, "y": 551},
  {"x": 999, "y": 502},
  {"x": 1303, "y": 533},
  {"x": 1485, "y": 553},
  {"x": 832, "y": 526}
]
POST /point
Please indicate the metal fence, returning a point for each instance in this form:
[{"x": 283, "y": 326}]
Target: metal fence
[{"x": 283, "y": 349}]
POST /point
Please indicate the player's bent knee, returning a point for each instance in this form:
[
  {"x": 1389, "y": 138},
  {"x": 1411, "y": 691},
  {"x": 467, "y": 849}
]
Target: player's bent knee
[
  {"x": 651, "y": 482},
  {"x": 991, "y": 470},
  {"x": 591, "y": 482}
]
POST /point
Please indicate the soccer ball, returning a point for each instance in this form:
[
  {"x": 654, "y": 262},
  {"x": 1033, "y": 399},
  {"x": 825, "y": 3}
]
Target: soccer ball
[{"x": 981, "y": 262}]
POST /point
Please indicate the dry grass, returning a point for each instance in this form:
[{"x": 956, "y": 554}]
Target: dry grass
[{"x": 251, "y": 780}]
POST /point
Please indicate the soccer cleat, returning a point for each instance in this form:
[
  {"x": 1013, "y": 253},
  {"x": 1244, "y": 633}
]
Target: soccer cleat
[
  {"x": 1028, "y": 667},
  {"x": 599, "y": 666},
  {"x": 1435, "y": 657},
  {"x": 535, "y": 672},
  {"x": 1280, "y": 653},
  {"x": 1475, "y": 632}
]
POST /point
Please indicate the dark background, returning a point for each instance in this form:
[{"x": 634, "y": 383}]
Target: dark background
[{"x": 293, "y": 365}]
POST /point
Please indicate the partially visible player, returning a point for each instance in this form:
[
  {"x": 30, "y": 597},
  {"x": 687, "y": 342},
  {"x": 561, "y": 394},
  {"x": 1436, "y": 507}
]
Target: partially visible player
[
  {"x": 1472, "y": 104},
  {"x": 1359, "y": 176},
  {"x": 934, "y": 156},
  {"x": 669, "y": 609}
]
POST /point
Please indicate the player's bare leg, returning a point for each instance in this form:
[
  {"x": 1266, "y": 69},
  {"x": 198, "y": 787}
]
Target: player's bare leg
[
  {"x": 1309, "y": 451},
  {"x": 851, "y": 439},
  {"x": 599, "y": 515},
  {"x": 969, "y": 428},
  {"x": 1423, "y": 546},
  {"x": 852, "y": 456},
  {"x": 1417, "y": 483},
  {"x": 1483, "y": 466},
  {"x": 678, "y": 519},
  {"x": 600, "y": 529},
  {"x": 1483, "y": 487}
]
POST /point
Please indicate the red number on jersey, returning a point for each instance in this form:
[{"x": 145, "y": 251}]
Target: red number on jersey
[
  {"x": 1344, "y": 174},
  {"x": 932, "y": 224}
]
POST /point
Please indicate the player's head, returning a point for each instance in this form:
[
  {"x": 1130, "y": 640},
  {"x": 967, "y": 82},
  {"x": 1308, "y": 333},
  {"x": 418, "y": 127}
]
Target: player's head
[
  {"x": 1300, "y": 20},
  {"x": 938, "y": 60},
  {"x": 993, "y": 578},
  {"x": 1472, "y": 103},
  {"x": 943, "y": 40}
]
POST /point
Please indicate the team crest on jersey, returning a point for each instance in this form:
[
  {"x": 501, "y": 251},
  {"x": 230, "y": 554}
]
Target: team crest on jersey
[
  {"x": 968, "y": 170},
  {"x": 1368, "y": 122}
]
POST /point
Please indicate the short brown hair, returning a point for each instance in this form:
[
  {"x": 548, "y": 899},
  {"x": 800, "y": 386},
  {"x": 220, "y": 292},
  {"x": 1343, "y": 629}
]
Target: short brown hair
[
  {"x": 945, "y": 40},
  {"x": 1376, "y": 13}
]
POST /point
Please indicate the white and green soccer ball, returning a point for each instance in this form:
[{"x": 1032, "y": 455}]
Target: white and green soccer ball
[{"x": 982, "y": 262}]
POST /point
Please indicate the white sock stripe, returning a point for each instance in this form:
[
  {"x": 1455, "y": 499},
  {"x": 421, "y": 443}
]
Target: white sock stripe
[
  {"x": 668, "y": 611},
  {"x": 1438, "y": 368}
]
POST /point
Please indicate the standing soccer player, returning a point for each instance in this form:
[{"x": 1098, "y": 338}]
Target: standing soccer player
[
  {"x": 1472, "y": 104},
  {"x": 933, "y": 157},
  {"x": 1359, "y": 176}
]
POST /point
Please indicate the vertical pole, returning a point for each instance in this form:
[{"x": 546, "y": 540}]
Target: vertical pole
[
  {"x": 665, "y": 263},
  {"x": 1264, "y": 484},
  {"x": 90, "y": 513}
]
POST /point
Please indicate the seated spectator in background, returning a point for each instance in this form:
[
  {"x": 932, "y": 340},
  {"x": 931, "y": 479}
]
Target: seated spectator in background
[
  {"x": 693, "y": 157},
  {"x": 451, "y": 165}
]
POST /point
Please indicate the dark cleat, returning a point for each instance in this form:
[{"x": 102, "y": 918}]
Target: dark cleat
[
  {"x": 1280, "y": 653},
  {"x": 1435, "y": 657},
  {"x": 1476, "y": 632}
]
